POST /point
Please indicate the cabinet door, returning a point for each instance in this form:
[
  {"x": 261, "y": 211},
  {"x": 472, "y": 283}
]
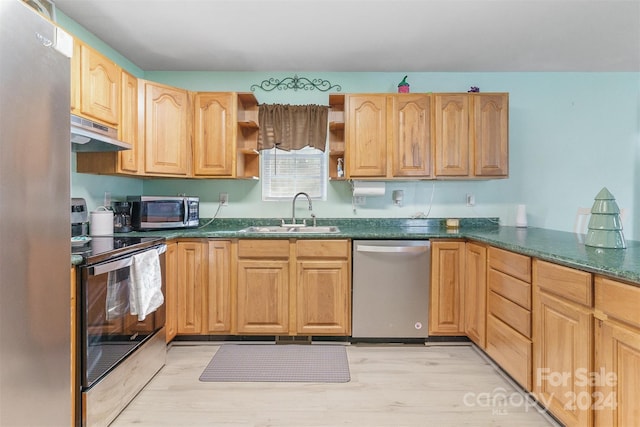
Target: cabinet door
[
  {"x": 219, "y": 287},
  {"x": 490, "y": 134},
  {"x": 190, "y": 282},
  {"x": 562, "y": 343},
  {"x": 366, "y": 140},
  {"x": 129, "y": 160},
  {"x": 616, "y": 402},
  {"x": 214, "y": 134},
  {"x": 100, "y": 86},
  {"x": 171, "y": 297},
  {"x": 475, "y": 293},
  {"x": 75, "y": 78},
  {"x": 166, "y": 140},
  {"x": 447, "y": 281},
  {"x": 411, "y": 142},
  {"x": 323, "y": 297},
  {"x": 263, "y": 296},
  {"x": 451, "y": 134}
]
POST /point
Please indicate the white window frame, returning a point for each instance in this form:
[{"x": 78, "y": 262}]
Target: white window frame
[{"x": 281, "y": 183}]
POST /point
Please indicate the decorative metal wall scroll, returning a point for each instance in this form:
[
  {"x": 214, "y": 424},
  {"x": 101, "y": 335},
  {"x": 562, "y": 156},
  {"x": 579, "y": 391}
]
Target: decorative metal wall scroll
[{"x": 296, "y": 83}]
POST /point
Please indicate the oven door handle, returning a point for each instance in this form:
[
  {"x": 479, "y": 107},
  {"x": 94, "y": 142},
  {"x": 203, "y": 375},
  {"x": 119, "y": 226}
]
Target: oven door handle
[
  {"x": 110, "y": 266},
  {"x": 118, "y": 264}
]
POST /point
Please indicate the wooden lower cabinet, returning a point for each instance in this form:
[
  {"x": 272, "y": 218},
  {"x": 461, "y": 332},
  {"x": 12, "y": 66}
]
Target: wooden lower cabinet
[
  {"x": 511, "y": 350},
  {"x": 200, "y": 300},
  {"x": 263, "y": 287},
  {"x": 446, "y": 305},
  {"x": 191, "y": 277},
  {"x": 218, "y": 287},
  {"x": 562, "y": 341},
  {"x": 323, "y": 291},
  {"x": 475, "y": 293},
  {"x": 294, "y": 287},
  {"x": 263, "y": 296},
  {"x": 508, "y": 339},
  {"x": 617, "y": 353},
  {"x": 171, "y": 297},
  {"x": 258, "y": 287}
]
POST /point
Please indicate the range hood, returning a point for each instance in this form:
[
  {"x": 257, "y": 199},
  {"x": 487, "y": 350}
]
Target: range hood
[{"x": 88, "y": 136}]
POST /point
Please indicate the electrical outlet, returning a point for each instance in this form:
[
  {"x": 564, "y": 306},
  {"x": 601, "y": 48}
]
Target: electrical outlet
[
  {"x": 224, "y": 199},
  {"x": 471, "y": 199},
  {"x": 359, "y": 200}
]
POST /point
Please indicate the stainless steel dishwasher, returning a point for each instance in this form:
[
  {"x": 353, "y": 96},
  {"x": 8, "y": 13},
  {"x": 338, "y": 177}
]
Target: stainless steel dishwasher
[{"x": 391, "y": 288}]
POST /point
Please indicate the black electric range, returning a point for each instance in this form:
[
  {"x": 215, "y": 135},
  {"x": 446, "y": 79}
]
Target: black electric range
[{"x": 102, "y": 248}]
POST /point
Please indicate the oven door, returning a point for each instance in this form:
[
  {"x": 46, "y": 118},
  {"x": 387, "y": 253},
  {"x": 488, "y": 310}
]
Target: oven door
[{"x": 108, "y": 330}]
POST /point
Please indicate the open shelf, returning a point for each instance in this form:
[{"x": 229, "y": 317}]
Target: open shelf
[
  {"x": 336, "y": 134},
  {"x": 247, "y": 155}
]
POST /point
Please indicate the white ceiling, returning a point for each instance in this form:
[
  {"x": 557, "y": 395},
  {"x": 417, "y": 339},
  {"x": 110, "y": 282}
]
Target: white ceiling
[{"x": 367, "y": 35}]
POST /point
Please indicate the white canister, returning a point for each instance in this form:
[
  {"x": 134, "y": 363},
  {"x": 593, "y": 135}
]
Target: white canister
[
  {"x": 521, "y": 216},
  {"x": 101, "y": 222}
]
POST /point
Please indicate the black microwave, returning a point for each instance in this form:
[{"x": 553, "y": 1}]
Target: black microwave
[{"x": 164, "y": 212}]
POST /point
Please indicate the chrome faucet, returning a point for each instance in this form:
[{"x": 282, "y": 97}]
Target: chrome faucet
[{"x": 293, "y": 208}]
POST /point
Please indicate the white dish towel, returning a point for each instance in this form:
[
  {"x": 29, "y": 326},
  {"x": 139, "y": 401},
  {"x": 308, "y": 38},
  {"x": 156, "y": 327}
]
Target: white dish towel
[{"x": 145, "y": 294}]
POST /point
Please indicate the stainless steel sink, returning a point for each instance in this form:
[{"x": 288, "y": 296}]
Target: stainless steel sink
[{"x": 321, "y": 229}]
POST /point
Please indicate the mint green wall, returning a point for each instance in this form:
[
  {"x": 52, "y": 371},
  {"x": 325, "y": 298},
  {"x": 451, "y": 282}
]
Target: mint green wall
[
  {"x": 88, "y": 37},
  {"x": 92, "y": 187},
  {"x": 570, "y": 135}
]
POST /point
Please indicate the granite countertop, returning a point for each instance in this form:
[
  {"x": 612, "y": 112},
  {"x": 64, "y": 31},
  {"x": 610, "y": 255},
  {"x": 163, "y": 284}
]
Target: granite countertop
[
  {"x": 565, "y": 248},
  {"x": 554, "y": 246}
]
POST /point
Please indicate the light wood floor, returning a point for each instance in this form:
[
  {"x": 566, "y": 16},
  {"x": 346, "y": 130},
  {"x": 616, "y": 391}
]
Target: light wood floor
[{"x": 391, "y": 385}]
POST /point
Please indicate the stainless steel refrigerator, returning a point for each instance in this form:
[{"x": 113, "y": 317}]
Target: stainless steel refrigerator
[{"x": 35, "y": 371}]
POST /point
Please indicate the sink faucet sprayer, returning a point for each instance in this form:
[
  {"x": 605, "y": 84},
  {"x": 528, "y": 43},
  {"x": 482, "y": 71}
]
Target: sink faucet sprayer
[{"x": 293, "y": 206}]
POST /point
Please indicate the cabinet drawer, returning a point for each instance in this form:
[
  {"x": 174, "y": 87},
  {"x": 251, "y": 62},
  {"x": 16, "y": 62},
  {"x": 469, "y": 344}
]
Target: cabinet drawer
[
  {"x": 618, "y": 300},
  {"x": 322, "y": 249},
  {"x": 510, "y": 288},
  {"x": 263, "y": 248},
  {"x": 515, "y": 265},
  {"x": 511, "y": 314},
  {"x": 568, "y": 283},
  {"x": 510, "y": 350}
]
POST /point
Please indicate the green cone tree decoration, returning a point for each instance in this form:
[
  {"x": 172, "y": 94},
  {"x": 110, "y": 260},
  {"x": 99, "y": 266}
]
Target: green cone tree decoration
[{"x": 605, "y": 227}]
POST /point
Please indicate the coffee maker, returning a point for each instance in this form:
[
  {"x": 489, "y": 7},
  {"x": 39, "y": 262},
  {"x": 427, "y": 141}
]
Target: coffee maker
[
  {"x": 121, "y": 217},
  {"x": 79, "y": 217}
]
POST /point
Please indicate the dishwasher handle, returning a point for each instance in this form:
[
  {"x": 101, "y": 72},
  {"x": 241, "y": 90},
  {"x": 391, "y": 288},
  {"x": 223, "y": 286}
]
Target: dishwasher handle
[{"x": 393, "y": 249}]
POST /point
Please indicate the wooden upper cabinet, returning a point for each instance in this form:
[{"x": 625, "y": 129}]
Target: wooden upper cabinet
[
  {"x": 451, "y": 134},
  {"x": 366, "y": 139},
  {"x": 490, "y": 134},
  {"x": 215, "y": 134},
  {"x": 166, "y": 138},
  {"x": 75, "y": 78},
  {"x": 99, "y": 86},
  {"x": 129, "y": 160},
  {"x": 411, "y": 141}
]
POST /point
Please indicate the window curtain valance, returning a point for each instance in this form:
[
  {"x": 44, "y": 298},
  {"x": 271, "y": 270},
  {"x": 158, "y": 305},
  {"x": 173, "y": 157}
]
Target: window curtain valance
[{"x": 292, "y": 127}]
